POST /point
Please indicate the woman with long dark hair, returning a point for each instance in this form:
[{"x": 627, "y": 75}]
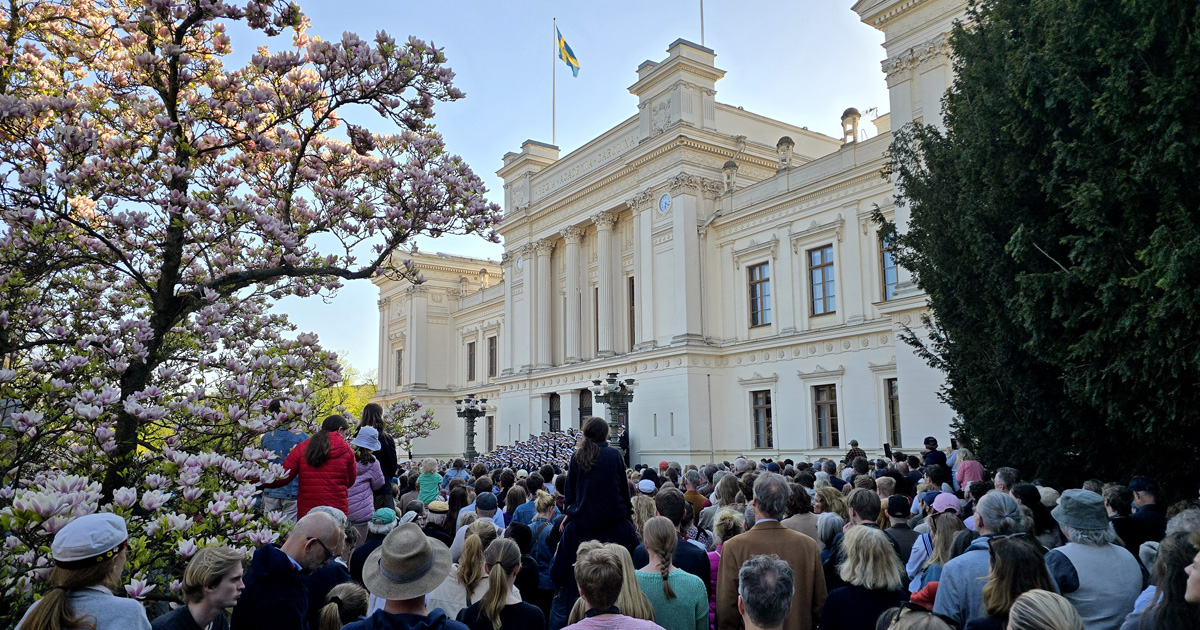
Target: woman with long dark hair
[
  {"x": 1017, "y": 565},
  {"x": 457, "y": 500},
  {"x": 597, "y": 507},
  {"x": 1169, "y": 610},
  {"x": 372, "y": 416},
  {"x": 326, "y": 466},
  {"x": 1045, "y": 528}
]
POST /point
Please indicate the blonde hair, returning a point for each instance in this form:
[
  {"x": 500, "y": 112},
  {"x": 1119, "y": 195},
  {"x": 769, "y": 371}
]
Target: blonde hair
[
  {"x": 643, "y": 510},
  {"x": 870, "y": 561},
  {"x": 428, "y": 465},
  {"x": 480, "y": 535},
  {"x": 504, "y": 557},
  {"x": 631, "y": 600},
  {"x": 350, "y": 605},
  {"x": 207, "y": 568},
  {"x": 1043, "y": 610},
  {"x": 965, "y": 454},
  {"x": 661, "y": 538},
  {"x": 544, "y": 502},
  {"x": 835, "y": 502},
  {"x": 729, "y": 523},
  {"x": 54, "y": 611},
  {"x": 942, "y": 529}
]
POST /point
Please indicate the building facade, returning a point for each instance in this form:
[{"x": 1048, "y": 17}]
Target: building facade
[{"x": 726, "y": 261}]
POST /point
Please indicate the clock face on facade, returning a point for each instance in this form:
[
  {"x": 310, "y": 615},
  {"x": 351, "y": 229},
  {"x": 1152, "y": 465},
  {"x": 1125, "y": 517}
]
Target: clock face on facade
[
  {"x": 664, "y": 202},
  {"x": 520, "y": 262}
]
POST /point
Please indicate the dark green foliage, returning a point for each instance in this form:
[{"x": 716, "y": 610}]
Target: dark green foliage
[{"x": 1055, "y": 225}]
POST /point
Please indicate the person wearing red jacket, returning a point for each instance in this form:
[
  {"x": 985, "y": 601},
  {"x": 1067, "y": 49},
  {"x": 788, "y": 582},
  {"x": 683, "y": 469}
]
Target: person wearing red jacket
[{"x": 326, "y": 466}]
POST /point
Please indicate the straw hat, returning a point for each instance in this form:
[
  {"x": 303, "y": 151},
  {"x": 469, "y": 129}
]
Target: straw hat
[{"x": 408, "y": 564}]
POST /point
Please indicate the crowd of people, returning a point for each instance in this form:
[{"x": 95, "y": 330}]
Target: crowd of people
[{"x": 559, "y": 532}]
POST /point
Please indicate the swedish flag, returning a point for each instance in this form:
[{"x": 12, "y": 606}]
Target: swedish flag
[{"x": 564, "y": 53}]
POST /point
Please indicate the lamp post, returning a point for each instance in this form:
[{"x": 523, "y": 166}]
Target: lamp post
[
  {"x": 469, "y": 409},
  {"x": 616, "y": 395}
]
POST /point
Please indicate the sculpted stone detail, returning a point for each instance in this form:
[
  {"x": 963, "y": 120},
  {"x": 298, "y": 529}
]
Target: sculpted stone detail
[
  {"x": 543, "y": 247},
  {"x": 639, "y": 201},
  {"x": 660, "y": 118},
  {"x": 605, "y": 220},
  {"x": 913, "y": 57},
  {"x": 682, "y": 180},
  {"x": 572, "y": 235}
]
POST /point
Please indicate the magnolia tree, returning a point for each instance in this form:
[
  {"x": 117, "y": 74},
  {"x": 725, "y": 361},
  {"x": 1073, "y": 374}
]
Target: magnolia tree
[{"x": 155, "y": 204}]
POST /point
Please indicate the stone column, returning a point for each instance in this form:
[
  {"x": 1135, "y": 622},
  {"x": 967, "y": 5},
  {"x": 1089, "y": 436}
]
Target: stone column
[
  {"x": 573, "y": 236},
  {"x": 604, "y": 229},
  {"x": 506, "y": 327},
  {"x": 545, "y": 295},
  {"x": 386, "y": 380},
  {"x": 418, "y": 345}
]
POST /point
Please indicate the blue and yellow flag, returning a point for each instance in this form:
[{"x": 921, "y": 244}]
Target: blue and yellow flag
[{"x": 564, "y": 53}]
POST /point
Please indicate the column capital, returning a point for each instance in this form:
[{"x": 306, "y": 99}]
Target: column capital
[
  {"x": 417, "y": 289},
  {"x": 383, "y": 302},
  {"x": 572, "y": 235},
  {"x": 506, "y": 258},
  {"x": 543, "y": 247},
  {"x": 605, "y": 220},
  {"x": 639, "y": 201}
]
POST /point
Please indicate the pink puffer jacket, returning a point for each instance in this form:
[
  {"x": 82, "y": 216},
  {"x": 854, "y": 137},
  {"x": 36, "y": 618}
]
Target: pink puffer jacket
[{"x": 362, "y": 493}]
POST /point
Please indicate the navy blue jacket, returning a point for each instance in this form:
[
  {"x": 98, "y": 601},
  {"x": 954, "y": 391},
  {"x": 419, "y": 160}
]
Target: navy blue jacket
[
  {"x": 275, "y": 595},
  {"x": 435, "y": 620}
]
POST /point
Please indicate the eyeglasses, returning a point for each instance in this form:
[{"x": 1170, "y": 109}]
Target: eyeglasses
[
  {"x": 329, "y": 555},
  {"x": 909, "y": 607},
  {"x": 993, "y": 539}
]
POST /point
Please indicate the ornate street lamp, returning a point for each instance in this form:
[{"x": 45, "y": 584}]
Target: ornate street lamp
[
  {"x": 616, "y": 395},
  {"x": 469, "y": 409}
]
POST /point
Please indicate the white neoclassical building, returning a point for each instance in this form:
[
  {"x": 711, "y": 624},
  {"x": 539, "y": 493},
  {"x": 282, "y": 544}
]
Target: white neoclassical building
[{"x": 724, "y": 260}]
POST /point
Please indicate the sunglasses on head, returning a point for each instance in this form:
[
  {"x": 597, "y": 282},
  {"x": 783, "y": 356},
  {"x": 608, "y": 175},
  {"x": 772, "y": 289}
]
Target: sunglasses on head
[{"x": 909, "y": 608}]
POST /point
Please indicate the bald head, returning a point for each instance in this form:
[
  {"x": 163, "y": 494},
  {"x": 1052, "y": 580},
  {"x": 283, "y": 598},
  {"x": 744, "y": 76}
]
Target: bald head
[{"x": 314, "y": 541}]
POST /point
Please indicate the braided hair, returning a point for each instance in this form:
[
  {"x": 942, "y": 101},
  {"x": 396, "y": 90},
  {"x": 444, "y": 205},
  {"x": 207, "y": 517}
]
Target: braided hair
[{"x": 661, "y": 538}]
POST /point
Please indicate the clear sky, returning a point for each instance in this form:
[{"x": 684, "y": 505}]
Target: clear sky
[{"x": 800, "y": 61}]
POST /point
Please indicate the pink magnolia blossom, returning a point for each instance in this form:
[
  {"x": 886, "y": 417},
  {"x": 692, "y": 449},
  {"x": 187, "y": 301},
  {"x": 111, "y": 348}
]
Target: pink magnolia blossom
[{"x": 139, "y": 588}]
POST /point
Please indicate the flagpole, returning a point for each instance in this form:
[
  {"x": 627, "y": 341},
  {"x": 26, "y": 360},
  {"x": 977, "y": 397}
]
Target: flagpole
[
  {"x": 701, "y": 22},
  {"x": 554, "y": 90}
]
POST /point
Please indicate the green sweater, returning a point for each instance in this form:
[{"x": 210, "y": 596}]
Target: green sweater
[
  {"x": 688, "y": 610},
  {"x": 429, "y": 487}
]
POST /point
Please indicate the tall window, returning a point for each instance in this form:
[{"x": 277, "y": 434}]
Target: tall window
[
  {"x": 399, "y": 368},
  {"x": 596, "y": 316},
  {"x": 820, "y": 271},
  {"x": 470, "y": 360},
  {"x": 493, "y": 356},
  {"x": 892, "y": 387},
  {"x": 760, "y": 294},
  {"x": 585, "y": 405},
  {"x": 890, "y": 278},
  {"x": 491, "y": 433},
  {"x": 555, "y": 413},
  {"x": 825, "y": 411},
  {"x": 632, "y": 318},
  {"x": 760, "y": 404}
]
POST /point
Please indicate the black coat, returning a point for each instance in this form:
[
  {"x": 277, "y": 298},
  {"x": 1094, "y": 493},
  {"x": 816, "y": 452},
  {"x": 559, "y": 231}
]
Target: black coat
[
  {"x": 598, "y": 497},
  {"x": 275, "y": 595}
]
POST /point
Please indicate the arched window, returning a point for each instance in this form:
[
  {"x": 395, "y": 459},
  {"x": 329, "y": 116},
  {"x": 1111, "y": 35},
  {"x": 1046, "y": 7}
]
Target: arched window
[
  {"x": 555, "y": 412},
  {"x": 585, "y": 405}
]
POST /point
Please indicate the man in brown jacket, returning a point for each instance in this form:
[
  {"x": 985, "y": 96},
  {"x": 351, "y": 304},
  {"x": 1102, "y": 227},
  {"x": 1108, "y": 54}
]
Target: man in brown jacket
[{"x": 771, "y": 495}]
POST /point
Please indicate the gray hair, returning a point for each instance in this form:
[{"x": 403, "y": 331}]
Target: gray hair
[
  {"x": 829, "y": 466},
  {"x": 337, "y": 515},
  {"x": 1187, "y": 521},
  {"x": 381, "y": 528},
  {"x": 692, "y": 477},
  {"x": 829, "y": 525},
  {"x": 741, "y": 464},
  {"x": 771, "y": 494},
  {"x": 766, "y": 584},
  {"x": 1096, "y": 537},
  {"x": 1001, "y": 514},
  {"x": 822, "y": 476},
  {"x": 1008, "y": 476}
]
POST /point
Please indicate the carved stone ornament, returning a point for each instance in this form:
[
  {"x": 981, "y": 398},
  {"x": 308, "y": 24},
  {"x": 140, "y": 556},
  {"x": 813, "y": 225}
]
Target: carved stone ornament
[
  {"x": 660, "y": 119},
  {"x": 383, "y": 302},
  {"x": 505, "y": 258},
  {"x": 572, "y": 235},
  {"x": 682, "y": 180},
  {"x": 543, "y": 247},
  {"x": 605, "y": 220},
  {"x": 913, "y": 57},
  {"x": 639, "y": 201}
]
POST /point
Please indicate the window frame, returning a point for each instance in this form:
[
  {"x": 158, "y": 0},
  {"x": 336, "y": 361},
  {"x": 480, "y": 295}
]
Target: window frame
[
  {"x": 471, "y": 372},
  {"x": 768, "y": 426},
  {"x": 891, "y": 411},
  {"x": 887, "y": 254},
  {"x": 831, "y": 405},
  {"x": 761, "y": 285},
  {"x": 828, "y": 269},
  {"x": 493, "y": 356},
  {"x": 399, "y": 380}
]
